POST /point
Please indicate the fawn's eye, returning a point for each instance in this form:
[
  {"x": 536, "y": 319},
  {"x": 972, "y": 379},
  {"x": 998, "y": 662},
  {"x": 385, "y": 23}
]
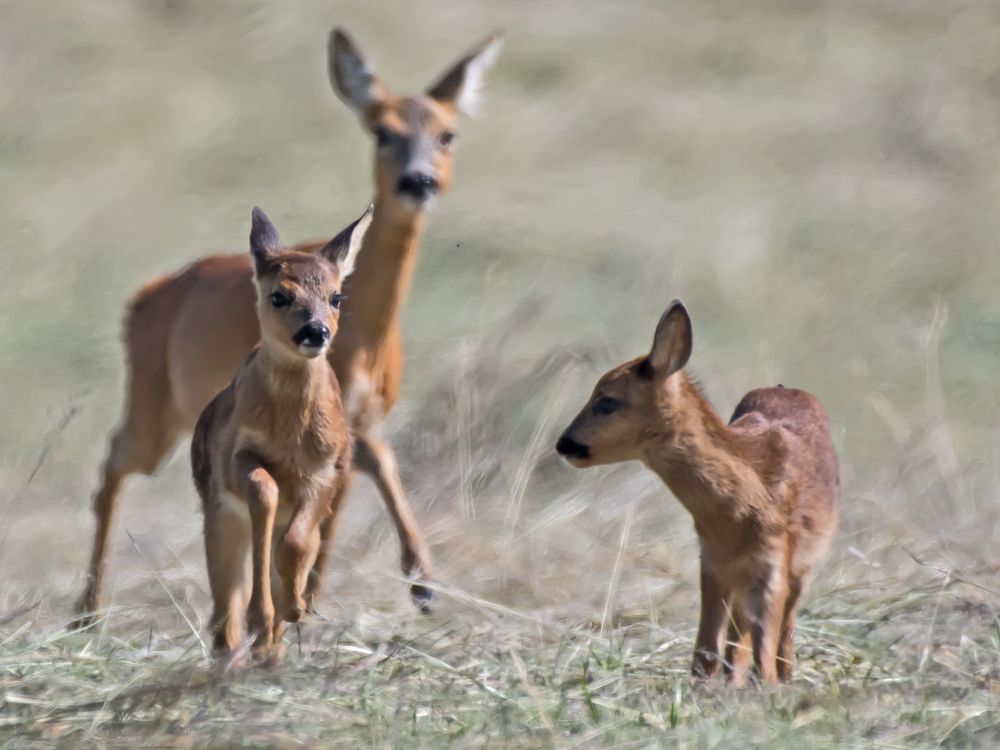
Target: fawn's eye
[
  {"x": 336, "y": 299},
  {"x": 280, "y": 299},
  {"x": 446, "y": 138},
  {"x": 606, "y": 405},
  {"x": 381, "y": 137}
]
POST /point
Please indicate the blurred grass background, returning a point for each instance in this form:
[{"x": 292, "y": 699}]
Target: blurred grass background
[{"x": 818, "y": 181}]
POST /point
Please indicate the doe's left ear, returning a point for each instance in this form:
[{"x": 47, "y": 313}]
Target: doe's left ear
[
  {"x": 264, "y": 242},
  {"x": 343, "y": 249},
  {"x": 461, "y": 87},
  {"x": 672, "y": 341}
]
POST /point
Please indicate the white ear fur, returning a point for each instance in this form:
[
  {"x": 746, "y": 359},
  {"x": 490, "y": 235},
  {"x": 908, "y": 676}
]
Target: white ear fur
[
  {"x": 463, "y": 84},
  {"x": 343, "y": 249}
]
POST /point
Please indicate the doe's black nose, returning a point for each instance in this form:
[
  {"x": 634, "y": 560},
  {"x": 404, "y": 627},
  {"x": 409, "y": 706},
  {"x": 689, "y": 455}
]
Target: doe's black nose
[
  {"x": 567, "y": 446},
  {"x": 417, "y": 185},
  {"x": 313, "y": 334}
]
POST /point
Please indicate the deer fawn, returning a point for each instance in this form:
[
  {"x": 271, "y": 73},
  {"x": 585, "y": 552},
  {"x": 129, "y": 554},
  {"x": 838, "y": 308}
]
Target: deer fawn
[
  {"x": 186, "y": 334},
  {"x": 762, "y": 491},
  {"x": 270, "y": 449}
]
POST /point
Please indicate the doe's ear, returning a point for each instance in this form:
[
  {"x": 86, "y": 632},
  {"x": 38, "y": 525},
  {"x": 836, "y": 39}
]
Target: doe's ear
[
  {"x": 265, "y": 243},
  {"x": 343, "y": 249},
  {"x": 672, "y": 341},
  {"x": 461, "y": 87},
  {"x": 352, "y": 77}
]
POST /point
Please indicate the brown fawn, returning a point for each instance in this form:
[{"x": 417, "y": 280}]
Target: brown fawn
[
  {"x": 186, "y": 334},
  {"x": 269, "y": 451},
  {"x": 762, "y": 491}
]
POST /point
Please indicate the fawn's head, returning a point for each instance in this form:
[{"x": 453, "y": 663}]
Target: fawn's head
[
  {"x": 414, "y": 135},
  {"x": 299, "y": 294},
  {"x": 631, "y": 403}
]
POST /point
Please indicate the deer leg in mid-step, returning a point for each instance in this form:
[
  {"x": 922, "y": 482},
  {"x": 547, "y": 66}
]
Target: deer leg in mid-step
[{"x": 375, "y": 458}]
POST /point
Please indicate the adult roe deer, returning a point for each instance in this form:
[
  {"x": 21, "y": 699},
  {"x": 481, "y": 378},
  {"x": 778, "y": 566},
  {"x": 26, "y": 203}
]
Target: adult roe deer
[
  {"x": 762, "y": 491},
  {"x": 187, "y": 334},
  {"x": 270, "y": 449}
]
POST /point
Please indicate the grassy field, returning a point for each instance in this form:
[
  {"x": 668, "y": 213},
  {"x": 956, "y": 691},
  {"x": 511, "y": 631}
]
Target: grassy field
[{"x": 820, "y": 183}]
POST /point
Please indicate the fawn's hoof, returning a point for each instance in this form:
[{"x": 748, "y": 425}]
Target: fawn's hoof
[
  {"x": 422, "y": 597},
  {"x": 84, "y": 615}
]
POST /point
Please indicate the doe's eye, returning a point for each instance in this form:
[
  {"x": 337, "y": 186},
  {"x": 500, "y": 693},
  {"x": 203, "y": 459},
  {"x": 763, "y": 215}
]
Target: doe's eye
[
  {"x": 280, "y": 299},
  {"x": 336, "y": 299},
  {"x": 446, "y": 138},
  {"x": 381, "y": 137},
  {"x": 606, "y": 405}
]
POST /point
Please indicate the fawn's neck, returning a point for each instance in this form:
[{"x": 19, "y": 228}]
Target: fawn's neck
[
  {"x": 699, "y": 458},
  {"x": 294, "y": 383},
  {"x": 383, "y": 270}
]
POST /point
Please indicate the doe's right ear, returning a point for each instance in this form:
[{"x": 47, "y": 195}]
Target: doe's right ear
[
  {"x": 265, "y": 243},
  {"x": 672, "y": 341},
  {"x": 351, "y": 75}
]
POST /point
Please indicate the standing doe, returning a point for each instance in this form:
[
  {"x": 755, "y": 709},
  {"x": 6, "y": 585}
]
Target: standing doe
[
  {"x": 186, "y": 334},
  {"x": 270, "y": 450},
  {"x": 762, "y": 491}
]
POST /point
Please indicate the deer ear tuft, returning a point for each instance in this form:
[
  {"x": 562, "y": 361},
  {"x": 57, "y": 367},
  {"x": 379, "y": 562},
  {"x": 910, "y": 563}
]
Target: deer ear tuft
[
  {"x": 265, "y": 243},
  {"x": 672, "y": 341}
]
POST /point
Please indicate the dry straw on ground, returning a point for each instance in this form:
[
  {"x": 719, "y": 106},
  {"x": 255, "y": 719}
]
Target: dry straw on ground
[{"x": 817, "y": 180}]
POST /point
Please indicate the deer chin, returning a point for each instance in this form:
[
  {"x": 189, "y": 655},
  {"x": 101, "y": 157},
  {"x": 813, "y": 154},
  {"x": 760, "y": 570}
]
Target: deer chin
[
  {"x": 312, "y": 352},
  {"x": 417, "y": 205}
]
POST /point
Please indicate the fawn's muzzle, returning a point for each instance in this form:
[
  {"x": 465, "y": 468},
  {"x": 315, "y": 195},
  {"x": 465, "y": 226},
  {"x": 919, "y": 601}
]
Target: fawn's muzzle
[
  {"x": 569, "y": 448},
  {"x": 417, "y": 185},
  {"x": 312, "y": 336}
]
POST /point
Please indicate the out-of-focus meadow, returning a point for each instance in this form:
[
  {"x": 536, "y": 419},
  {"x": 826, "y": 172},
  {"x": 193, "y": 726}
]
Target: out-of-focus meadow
[{"x": 820, "y": 183}]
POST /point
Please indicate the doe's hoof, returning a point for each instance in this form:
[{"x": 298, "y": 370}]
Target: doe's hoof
[{"x": 422, "y": 597}]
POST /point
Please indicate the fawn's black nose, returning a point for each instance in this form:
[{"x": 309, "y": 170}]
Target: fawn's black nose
[
  {"x": 313, "y": 335},
  {"x": 417, "y": 185},
  {"x": 568, "y": 447}
]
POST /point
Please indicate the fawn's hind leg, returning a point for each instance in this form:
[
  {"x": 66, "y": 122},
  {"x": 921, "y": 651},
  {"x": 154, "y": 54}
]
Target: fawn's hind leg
[
  {"x": 227, "y": 542},
  {"x": 765, "y": 607},
  {"x": 786, "y": 644},
  {"x": 739, "y": 645}
]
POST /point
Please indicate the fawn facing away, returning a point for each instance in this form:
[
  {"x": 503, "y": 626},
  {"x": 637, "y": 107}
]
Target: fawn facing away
[
  {"x": 270, "y": 449},
  {"x": 187, "y": 334},
  {"x": 762, "y": 491}
]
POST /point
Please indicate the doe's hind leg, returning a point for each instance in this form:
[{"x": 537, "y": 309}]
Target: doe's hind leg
[{"x": 138, "y": 447}]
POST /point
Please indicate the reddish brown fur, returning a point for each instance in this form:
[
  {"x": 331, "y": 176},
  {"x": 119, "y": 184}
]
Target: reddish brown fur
[
  {"x": 269, "y": 452},
  {"x": 188, "y": 333},
  {"x": 762, "y": 491}
]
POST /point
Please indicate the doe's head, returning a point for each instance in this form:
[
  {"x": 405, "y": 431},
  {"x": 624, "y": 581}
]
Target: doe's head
[
  {"x": 630, "y": 403},
  {"x": 299, "y": 294},
  {"x": 414, "y": 135}
]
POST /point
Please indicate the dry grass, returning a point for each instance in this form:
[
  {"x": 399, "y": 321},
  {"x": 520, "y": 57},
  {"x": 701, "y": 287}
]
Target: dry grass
[{"x": 818, "y": 181}]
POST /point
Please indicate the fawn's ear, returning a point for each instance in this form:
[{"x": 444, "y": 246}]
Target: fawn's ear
[
  {"x": 671, "y": 342},
  {"x": 462, "y": 86},
  {"x": 352, "y": 77},
  {"x": 343, "y": 249},
  {"x": 264, "y": 243}
]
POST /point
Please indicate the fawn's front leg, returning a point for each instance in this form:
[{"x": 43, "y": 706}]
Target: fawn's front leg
[
  {"x": 261, "y": 493},
  {"x": 714, "y": 611},
  {"x": 297, "y": 553}
]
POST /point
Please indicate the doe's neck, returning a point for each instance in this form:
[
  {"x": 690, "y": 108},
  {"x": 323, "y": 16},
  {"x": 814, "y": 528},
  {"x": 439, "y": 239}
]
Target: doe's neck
[{"x": 383, "y": 270}]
